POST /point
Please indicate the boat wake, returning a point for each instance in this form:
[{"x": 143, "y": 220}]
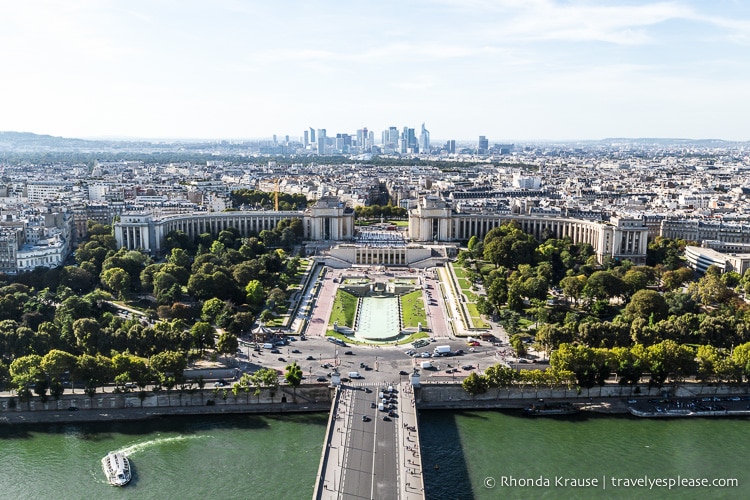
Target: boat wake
[{"x": 138, "y": 447}]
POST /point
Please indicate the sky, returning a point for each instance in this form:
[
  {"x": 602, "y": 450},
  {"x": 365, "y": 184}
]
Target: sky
[{"x": 511, "y": 70}]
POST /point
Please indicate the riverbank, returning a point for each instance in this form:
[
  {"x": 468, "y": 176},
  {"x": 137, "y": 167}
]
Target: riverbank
[
  {"x": 317, "y": 398},
  {"x": 131, "y": 406}
]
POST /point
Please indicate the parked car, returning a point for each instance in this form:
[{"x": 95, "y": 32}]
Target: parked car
[
  {"x": 310, "y": 358},
  {"x": 321, "y": 379},
  {"x": 296, "y": 351},
  {"x": 349, "y": 353},
  {"x": 402, "y": 372}
]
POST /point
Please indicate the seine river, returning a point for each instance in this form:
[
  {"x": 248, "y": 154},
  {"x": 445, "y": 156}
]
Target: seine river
[{"x": 483, "y": 455}]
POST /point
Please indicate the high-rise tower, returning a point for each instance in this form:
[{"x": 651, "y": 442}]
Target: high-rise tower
[{"x": 424, "y": 140}]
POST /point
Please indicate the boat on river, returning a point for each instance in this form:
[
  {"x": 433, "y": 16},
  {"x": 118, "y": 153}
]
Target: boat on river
[
  {"x": 548, "y": 409},
  {"x": 116, "y": 467}
]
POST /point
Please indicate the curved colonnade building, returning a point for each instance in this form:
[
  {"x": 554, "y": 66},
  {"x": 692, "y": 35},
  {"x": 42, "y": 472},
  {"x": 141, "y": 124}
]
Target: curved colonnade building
[
  {"x": 329, "y": 219},
  {"x": 433, "y": 221}
]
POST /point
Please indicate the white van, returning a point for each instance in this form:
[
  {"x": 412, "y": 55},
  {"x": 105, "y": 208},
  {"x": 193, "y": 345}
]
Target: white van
[
  {"x": 354, "y": 375},
  {"x": 268, "y": 345}
]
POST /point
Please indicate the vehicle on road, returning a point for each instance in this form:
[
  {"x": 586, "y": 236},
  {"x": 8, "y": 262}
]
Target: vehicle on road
[
  {"x": 355, "y": 375},
  {"x": 282, "y": 360},
  {"x": 296, "y": 351},
  {"x": 402, "y": 372},
  {"x": 72, "y": 408},
  {"x": 349, "y": 353},
  {"x": 321, "y": 379},
  {"x": 386, "y": 418},
  {"x": 310, "y": 358},
  {"x": 442, "y": 349},
  {"x": 365, "y": 418}
]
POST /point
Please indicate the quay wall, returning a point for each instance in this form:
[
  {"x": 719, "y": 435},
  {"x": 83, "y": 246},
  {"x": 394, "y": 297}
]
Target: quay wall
[
  {"x": 452, "y": 395},
  {"x": 128, "y": 406},
  {"x": 309, "y": 398}
]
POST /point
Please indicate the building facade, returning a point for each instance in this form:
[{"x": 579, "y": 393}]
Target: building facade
[
  {"x": 434, "y": 220},
  {"x": 329, "y": 219}
]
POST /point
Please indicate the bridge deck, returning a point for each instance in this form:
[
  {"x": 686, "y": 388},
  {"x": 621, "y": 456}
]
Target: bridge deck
[{"x": 373, "y": 458}]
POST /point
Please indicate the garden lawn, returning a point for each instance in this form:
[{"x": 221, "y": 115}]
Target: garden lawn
[
  {"x": 344, "y": 307},
  {"x": 412, "y": 310}
]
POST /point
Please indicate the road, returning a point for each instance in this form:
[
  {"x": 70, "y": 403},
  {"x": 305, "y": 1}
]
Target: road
[{"x": 369, "y": 468}]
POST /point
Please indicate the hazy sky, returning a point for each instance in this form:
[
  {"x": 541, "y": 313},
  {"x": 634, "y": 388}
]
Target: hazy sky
[{"x": 507, "y": 69}]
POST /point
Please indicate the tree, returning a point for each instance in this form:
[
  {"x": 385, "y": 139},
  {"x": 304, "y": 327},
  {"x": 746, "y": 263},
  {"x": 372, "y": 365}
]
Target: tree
[
  {"x": 669, "y": 359},
  {"x": 269, "y": 378},
  {"x": 573, "y": 287},
  {"x": 293, "y": 377},
  {"x": 94, "y": 371},
  {"x": 87, "y": 333},
  {"x": 604, "y": 285},
  {"x": 516, "y": 341},
  {"x": 647, "y": 304},
  {"x": 227, "y": 343},
  {"x": 474, "y": 384},
  {"x": 26, "y": 372},
  {"x": 500, "y": 376},
  {"x": 550, "y": 336},
  {"x": 202, "y": 334},
  {"x": 169, "y": 367},
  {"x": 56, "y": 364},
  {"x": 254, "y": 293},
  {"x": 211, "y": 309}
]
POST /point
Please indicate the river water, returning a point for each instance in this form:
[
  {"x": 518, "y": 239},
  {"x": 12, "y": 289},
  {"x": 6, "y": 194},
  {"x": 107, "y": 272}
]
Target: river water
[{"x": 276, "y": 457}]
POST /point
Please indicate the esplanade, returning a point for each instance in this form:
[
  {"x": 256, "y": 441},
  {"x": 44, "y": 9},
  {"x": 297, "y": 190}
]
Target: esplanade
[{"x": 434, "y": 221}]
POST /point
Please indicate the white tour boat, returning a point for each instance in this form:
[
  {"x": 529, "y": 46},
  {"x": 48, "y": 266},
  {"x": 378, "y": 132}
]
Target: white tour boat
[{"x": 117, "y": 468}]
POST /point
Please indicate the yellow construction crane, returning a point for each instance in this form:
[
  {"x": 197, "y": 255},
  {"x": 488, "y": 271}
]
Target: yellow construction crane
[{"x": 276, "y": 194}]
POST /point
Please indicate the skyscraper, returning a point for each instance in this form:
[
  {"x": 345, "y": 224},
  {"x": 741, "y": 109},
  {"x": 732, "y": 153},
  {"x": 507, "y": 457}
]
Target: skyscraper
[
  {"x": 408, "y": 143},
  {"x": 306, "y": 139},
  {"x": 362, "y": 139},
  {"x": 322, "y": 141},
  {"x": 484, "y": 145},
  {"x": 424, "y": 140},
  {"x": 312, "y": 135}
]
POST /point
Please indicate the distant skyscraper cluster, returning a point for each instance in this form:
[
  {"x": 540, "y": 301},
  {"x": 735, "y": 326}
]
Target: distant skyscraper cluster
[
  {"x": 405, "y": 141},
  {"x": 392, "y": 141}
]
